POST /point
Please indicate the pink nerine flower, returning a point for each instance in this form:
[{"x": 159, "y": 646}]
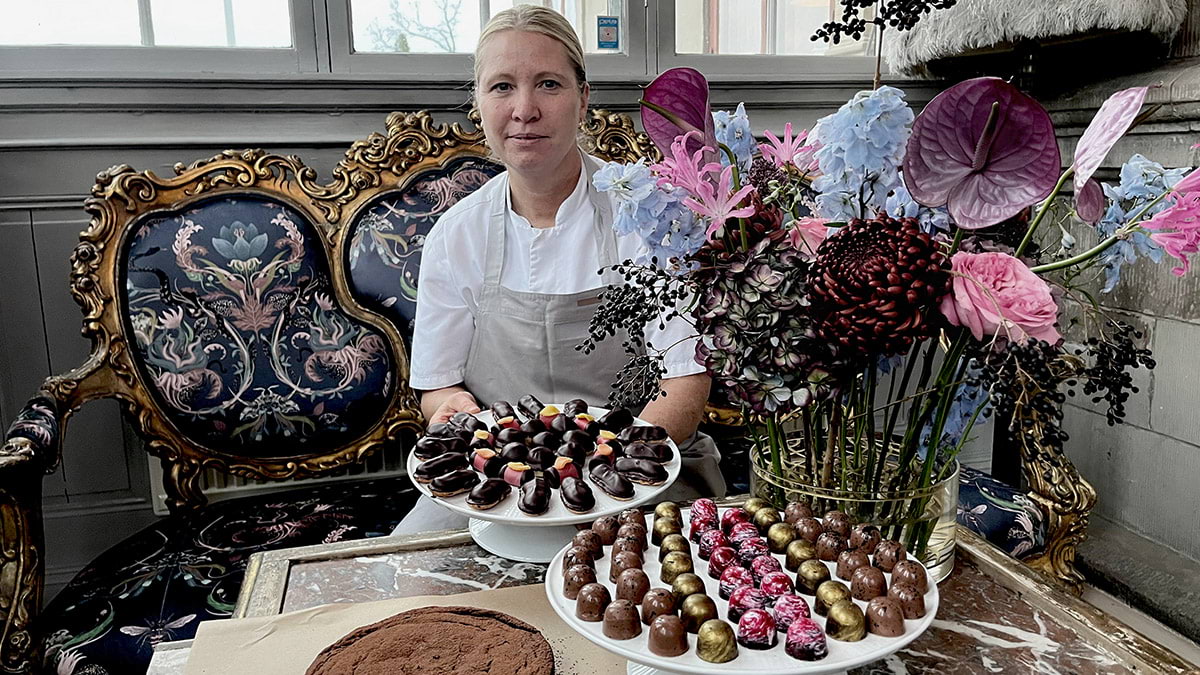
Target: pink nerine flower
[
  {"x": 783, "y": 152},
  {"x": 806, "y": 234},
  {"x": 684, "y": 170},
  {"x": 718, "y": 205},
  {"x": 1177, "y": 228},
  {"x": 996, "y": 294}
]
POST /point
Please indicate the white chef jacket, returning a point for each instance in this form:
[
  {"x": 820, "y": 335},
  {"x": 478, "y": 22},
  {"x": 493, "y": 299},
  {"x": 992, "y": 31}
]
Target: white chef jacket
[{"x": 556, "y": 260}]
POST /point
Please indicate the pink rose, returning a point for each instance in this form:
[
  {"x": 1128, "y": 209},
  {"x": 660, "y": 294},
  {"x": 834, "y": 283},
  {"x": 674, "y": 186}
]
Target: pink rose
[
  {"x": 806, "y": 234},
  {"x": 996, "y": 294}
]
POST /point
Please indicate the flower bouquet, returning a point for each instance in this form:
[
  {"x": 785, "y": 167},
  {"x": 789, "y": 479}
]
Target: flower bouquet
[{"x": 866, "y": 292}]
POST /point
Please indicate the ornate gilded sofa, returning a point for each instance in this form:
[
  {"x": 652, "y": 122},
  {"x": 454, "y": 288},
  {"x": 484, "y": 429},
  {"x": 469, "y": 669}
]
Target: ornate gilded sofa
[{"x": 255, "y": 321}]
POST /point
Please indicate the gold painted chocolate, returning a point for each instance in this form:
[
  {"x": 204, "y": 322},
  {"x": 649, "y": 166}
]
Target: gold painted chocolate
[
  {"x": 686, "y": 584},
  {"x": 829, "y": 593},
  {"x": 663, "y": 527},
  {"x": 766, "y": 517},
  {"x": 716, "y": 642},
  {"x": 753, "y": 504},
  {"x": 697, "y": 608},
  {"x": 846, "y": 622},
  {"x": 812, "y": 573},
  {"x": 779, "y": 536},
  {"x": 674, "y": 564},
  {"x": 668, "y": 510},
  {"x": 797, "y": 552},
  {"x": 673, "y": 542}
]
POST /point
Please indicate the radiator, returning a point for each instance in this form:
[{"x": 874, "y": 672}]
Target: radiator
[{"x": 218, "y": 485}]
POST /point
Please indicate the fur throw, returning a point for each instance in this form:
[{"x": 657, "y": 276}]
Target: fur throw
[{"x": 979, "y": 24}]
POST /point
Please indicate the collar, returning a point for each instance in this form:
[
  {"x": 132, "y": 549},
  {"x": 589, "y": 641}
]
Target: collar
[{"x": 572, "y": 207}]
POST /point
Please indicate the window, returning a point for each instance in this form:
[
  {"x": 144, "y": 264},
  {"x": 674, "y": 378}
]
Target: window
[{"x": 758, "y": 27}]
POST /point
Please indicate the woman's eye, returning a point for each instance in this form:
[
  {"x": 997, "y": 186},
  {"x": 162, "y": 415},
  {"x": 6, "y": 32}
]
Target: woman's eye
[
  {"x": 551, "y": 84},
  {"x": 501, "y": 86}
]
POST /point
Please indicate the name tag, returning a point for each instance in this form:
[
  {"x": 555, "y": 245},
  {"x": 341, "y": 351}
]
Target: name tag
[{"x": 588, "y": 301}]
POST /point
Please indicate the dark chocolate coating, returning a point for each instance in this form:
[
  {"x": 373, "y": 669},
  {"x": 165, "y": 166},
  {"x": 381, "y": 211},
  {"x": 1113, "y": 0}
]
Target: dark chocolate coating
[
  {"x": 541, "y": 458},
  {"x": 632, "y": 585},
  {"x": 621, "y": 621},
  {"x": 454, "y": 483},
  {"x": 530, "y": 406},
  {"x": 912, "y": 601},
  {"x": 641, "y": 471},
  {"x": 850, "y": 560},
  {"x": 606, "y": 527},
  {"x": 598, "y": 457},
  {"x": 625, "y": 560},
  {"x": 578, "y": 555},
  {"x": 562, "y": 424},
  {"x": 642, "y": 433},
  {"x": 867, "y": 582},
  {"x": 657, "y": 602},
  {"x": 611, "y": 482},
  {"x": 577, "y": 496},
  {"x": 494, "y": 467},
  {"x": 887, "y": 554},
  {"x": 695, "y": 610},
  {"x": 659, "y": 453},
  {"x": 796, "y": 511},
  {"x": 910, "y": 572},
  {"x": 575, "y": 406},
  {"x": 440, "y": 466},
  {"x": 546, "y": 439},
  {"x": 829, "y": 545},
  {"x": 533, "y": 427},
  {"x": 574, "y": 452},
  {"x": 502, "y": 409},
  {"x": 484, "y": 442},
  {"x": 506, "y": 436},
  {"x": 668, "y": 636},
  {"x": 489, "y": 493},
  {"x": 616, "y": 419},
  {"x": 592, "y": 601},
  {"x": 515, "y": 452},
  {"x": 885, "y": 617},
  {"x": 535, "y": 497},
  {"x": 591, "y": 541},
  {"x": 809, "y": 529},
  {"x": 865, "y": 538},
  {"x": 575, "y": 578},
  {"x": 465, "y": 420},
  {"x": 429, "y": 447},
  {"x": 574, "y": 436}
]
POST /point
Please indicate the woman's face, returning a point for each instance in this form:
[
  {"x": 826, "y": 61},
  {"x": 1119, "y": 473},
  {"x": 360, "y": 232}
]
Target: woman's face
[{"x": 529, "y": 100}]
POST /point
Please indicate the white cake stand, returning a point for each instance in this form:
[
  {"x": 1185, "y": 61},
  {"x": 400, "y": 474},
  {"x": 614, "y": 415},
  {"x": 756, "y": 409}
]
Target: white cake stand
[{"x": 510, "y": 533}]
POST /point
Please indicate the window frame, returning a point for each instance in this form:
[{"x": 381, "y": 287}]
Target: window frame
[{"x": 150, "y": 61}]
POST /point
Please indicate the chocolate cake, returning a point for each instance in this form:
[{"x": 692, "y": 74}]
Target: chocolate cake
[{"x": 439, "y": 641}]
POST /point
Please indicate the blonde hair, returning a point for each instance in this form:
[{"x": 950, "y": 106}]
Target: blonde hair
[{"x": 535, "y": 19}]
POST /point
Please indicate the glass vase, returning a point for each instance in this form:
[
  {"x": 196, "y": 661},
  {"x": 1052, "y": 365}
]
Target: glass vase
[{"x": 922, "y": 518}]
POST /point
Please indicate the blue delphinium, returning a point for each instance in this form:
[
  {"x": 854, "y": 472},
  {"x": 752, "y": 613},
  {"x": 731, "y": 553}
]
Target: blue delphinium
[
  {"x": 678, "y": 232},
  {"x": 900, "y": 204},
  {"x": 668, "y": 229},
  {"x": 1142, "y": 181},
  {"x": 967, "y": 399},
  {"x": 862, "y": 145},
  {"x": 733, "y": 130}
]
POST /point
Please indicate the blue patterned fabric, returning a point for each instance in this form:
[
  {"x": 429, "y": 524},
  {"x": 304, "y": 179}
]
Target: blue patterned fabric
[
  {"x": 1001, "y": 514},
  {"x": 387, "y": 236},
  {"x": 38, "y": 423},
  {"x": 159, "y": 584},
  {"x": 239, "y": 336}
]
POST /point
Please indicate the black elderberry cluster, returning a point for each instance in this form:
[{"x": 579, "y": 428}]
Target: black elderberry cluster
[
  {"x": 1022, "y": 380},
  {"x": 1111, "y": 359},
  {"x": 898, "y": 14}
]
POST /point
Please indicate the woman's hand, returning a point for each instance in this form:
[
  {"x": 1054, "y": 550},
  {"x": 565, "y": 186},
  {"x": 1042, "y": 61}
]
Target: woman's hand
[{"x": 446, "y": 402}]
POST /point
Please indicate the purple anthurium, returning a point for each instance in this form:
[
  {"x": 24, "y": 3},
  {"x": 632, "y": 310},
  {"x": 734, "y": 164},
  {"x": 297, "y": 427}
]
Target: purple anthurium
[
  {"x": 1107, "y": 127},
  {"x": 984, "y": 150},
  {"x": 676, "y": 103}
]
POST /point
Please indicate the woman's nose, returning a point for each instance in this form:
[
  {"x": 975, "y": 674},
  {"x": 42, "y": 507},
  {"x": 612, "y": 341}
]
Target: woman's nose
[{"x": 525, "y": 108}]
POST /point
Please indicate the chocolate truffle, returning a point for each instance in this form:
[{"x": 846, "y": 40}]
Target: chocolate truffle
[
  {"x": 837, "y": 521},
  {"x": 765, "y": 518},
  {"x": 625, "y": 560},
  {"x": 721, "y": 559},
  {"x": 829, "y": 545},
  {"x": 672, "y": 543},
  {"x": 686, "y": 584},
  {"x": 695, "y": 610},
  {"x": 912, "y": 573},
  {"x": 632, "y": 517},
  {"x": 795, "y": 512},
  {"x": 912, "y": 601},
  {"x": 776, "y": 584},
  {"x": 658, "y": 601},
  {"x": 779, "y": 536},
  {"x": 805, "y": 641},
  {"x": 699, "y": 526},
  {"x": 846, "y": 622},
  {"x": 606, "y": 527},
  {"x": 592, "y": 601},
  {"x": 634, "y": 531},
  {"x": 627, "y": 545},
  {"x": 754, "y": 504},
  {"x": 732, "y": 517},
  {"x": 763, "y": 565},
  {"x": 668, "y": 510},
  {"x": 850, "y": 560},
  {"x": 828, "y": 594},
  {"x": 752, "y": 549},
  {"x": 591, "y": 541},
  {"x": 867, "y": 582},
  {"x": 732, "y": 579},
  {"x": 812, "y": 573},
  {"x": 887, "y": 554},
  {"x": 865, "y": 538},
  {"x": 704, "y": 508},
  {"x": 885, "y": 617},
  {"x": 575, "y": 578},
  {"x": 668, "y": 637},
  {"x": 787, "y": 609},
  {"x": 797, "y": 552},
  {"x": 756, "y": 629},
  {"x": 664, "y": 527},
  {"x": 742, "y": 532},
  {"x": 632, "y": 585},
  {"x": 621, "y": 620},
  {"x": 710, "y": 540},
  {"x": 744, "y": 598},
  {"x": 809, "y": 529},
  {"x": 674, "y": 564},
  {"x": 716, "y": 642},
  {"x": 578, "y": 555}
]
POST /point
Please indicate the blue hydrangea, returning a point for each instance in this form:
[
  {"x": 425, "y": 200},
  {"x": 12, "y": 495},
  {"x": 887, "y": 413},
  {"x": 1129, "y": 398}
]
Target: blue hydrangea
[
  {"x": 677, "y": 233},
  {"x": 1142, "y": 181},
  {"x": 900, "y": 204},
  {"x": 733, "y": 130},
  {"x": 668, "y": 229},
  {"x": 862, "y": 145}
]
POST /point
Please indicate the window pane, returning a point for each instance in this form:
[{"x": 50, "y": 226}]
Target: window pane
[
  {"x": 71, "y": 22},
  {"x": 762, "y": 27},
  {"x": 222, "y": 23},
  {"x": 453, "y": 26}
]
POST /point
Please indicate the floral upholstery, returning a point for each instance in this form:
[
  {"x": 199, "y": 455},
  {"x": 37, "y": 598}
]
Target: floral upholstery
[
  {"x": 159, "y": 584},
  {"x": 1003, "y": 515},
  {"x": 37, "y": 423},
  {"x": 387, "y": 236},
  {"x": 239, "y": 335}
]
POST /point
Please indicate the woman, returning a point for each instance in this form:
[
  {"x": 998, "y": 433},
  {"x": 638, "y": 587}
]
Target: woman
[{"x": 508, "y": 275}]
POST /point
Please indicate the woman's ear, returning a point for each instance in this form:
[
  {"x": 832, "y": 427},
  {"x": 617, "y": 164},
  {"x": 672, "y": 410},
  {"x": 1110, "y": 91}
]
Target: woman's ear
[{"x": 583, "y": 106}]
